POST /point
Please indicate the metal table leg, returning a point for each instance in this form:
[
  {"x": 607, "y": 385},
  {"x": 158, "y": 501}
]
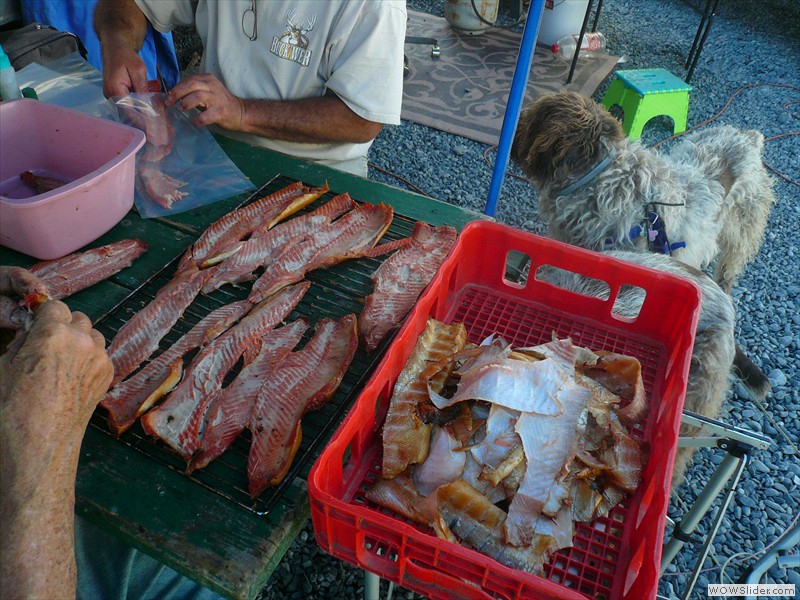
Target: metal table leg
[{"x": 700, "y": 37}]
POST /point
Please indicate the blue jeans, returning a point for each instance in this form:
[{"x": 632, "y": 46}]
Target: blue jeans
[{"x": 110, "y": 569}]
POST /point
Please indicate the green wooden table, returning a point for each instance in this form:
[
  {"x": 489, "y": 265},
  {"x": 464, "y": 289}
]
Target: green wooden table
[{"x": 156, "y": 509}]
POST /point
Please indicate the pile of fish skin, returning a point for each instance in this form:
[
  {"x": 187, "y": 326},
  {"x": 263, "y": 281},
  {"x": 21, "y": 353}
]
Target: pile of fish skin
[{"x": 503, "y": 449}]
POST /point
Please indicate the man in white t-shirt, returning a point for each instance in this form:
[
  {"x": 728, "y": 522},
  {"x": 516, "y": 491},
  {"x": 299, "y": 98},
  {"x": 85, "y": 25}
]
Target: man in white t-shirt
[{"x": 316, "y": 79}]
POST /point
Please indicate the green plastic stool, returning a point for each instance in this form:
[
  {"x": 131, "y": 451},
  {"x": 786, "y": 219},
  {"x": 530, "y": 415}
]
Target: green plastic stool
[{"x": 646, "y": 93}]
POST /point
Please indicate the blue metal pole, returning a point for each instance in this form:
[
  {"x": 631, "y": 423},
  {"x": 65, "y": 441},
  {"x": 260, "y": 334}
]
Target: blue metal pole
[{"x": 515, "y": 97}]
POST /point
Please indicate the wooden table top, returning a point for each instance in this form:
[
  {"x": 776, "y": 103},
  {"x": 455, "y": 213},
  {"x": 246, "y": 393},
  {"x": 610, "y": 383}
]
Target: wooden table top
[{"x": 193, "y": 529}]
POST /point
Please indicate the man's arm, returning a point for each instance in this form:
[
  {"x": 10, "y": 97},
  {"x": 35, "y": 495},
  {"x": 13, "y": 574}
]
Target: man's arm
[
  {"x": 51, "y": 382},
  {"x": 308, "y": 120},
  {"x": 121, "y": 27}
]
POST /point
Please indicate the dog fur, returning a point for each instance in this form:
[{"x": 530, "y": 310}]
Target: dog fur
[
  {"x": 714, "y": 355},
  {"x": 712, "y": 191}
]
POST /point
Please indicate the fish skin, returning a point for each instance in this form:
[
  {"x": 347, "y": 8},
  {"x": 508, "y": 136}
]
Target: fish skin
[
  {"x": 477, "y": 521},
  {"x": 138, "y": 338},
  {"x": 80, "y": 270},
  {"x": 178, "y": 421},
  {"x": 399, "y": 495},
  {"x": 126, "y": 400},
  {"x": 405, "y": 436},
  {"x": 230, "y": 412},
  {"x": 399, "y": 281},
  {"x": 240, "y": 223},
  {"x": 348, "y": 237},
  {"x": 303, "y": 382},
  {"x": 445, "y": 462},
  {"x": 550, "y": 444},
  {"x": 500, "y": 437},
  {"x": 514, "y": 384},
  {"x": 261, "y": 249}
]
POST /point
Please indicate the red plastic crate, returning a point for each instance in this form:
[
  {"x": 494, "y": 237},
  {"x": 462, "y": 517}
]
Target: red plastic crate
[{"x": 614, "y": 557}]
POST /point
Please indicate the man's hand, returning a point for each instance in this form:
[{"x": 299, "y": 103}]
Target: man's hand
[
  {"x": 61, "y": 363},
  {"x": 15, "y": 284},
  {"x": 208, "y": 94},
  {"x": 121, "y": 28},
  {"x": 52, "y": 378},
  {"x": 124, "y": 72}
]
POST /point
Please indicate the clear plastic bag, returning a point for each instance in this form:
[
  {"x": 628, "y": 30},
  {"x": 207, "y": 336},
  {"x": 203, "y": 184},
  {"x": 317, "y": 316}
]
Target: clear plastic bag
[
  {"x": 181, "y": 166},
  {"x": 70, "y": 82}
]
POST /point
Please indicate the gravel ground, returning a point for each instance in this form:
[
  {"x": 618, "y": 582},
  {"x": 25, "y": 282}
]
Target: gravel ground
[{"x": 753, "y": 49}]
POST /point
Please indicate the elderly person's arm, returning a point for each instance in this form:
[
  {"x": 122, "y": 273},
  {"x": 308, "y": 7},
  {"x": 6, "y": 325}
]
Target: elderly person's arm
[
  {"x": 52, "y": 378},
  {"x": 306, "y": 120},
  {"x": 121, "y": 28}
]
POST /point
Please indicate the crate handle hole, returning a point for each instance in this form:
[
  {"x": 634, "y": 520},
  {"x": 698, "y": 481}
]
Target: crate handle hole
[
  {"x": 628, "y": 300},
  {"x": 571, "y": 281},
  {"x": 517, "y": 268}
]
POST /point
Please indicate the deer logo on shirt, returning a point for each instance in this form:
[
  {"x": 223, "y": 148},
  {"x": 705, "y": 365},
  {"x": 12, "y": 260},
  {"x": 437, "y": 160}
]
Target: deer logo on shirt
[{"x": 293, "y": 43}]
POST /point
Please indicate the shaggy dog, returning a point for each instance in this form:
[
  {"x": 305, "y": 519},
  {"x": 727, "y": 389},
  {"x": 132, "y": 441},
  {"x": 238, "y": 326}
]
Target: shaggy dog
[
  {"x": 708, "y": 199},
  {"x": 715, "y": 353}
]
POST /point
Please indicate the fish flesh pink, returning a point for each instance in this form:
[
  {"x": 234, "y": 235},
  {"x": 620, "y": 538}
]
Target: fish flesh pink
[
  {"x": 80, "y": 270},
  {"x": 230, "y": 412},
  {"x": 161, "y": 188},
  {"x": 130, "y": 398},
  {"x": 157, "y": 126},
  {"x": 303, "y": 382},
  {"x": 179, "y": 420},
  {"x": 139, "y": 337},
  {"x": 405, "y": 435},
  {"x": 348, "y": 237},
  {"x": 41, "y": 183},
  {"x": 261, "y": 248},
  {"x": 400, "y": 280},
  {"x": 238, "y": 224}
]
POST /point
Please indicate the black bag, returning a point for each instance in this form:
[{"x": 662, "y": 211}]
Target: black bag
[{"x": 40, "y": 44}]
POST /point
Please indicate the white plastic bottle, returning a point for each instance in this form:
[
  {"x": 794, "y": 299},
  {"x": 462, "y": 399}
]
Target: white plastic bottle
[
  {"x": 8, "y": 79},
  {"x": 592, "y": 43}
]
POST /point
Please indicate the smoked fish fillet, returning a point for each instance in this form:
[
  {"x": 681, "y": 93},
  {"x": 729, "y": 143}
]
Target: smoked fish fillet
[
  {"x": 230, "y": 412},
  {"x": 405, "y": 435},
  {"x": 179, "y": 420},
  {"x": 260, "y": 249},
  {"x": 350, "y": 236},
  {"x": 303, "y": 382},
  {"x": 240, "y": 223},
  {"x": 400, "y": 280},
  {"x": 137, "y": 394},
  {"x": 139, "y": 337},
  {"x": 80, "y": 270}
]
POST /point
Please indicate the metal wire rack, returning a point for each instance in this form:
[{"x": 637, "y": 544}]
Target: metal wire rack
[{"x": 334, "y": 292}]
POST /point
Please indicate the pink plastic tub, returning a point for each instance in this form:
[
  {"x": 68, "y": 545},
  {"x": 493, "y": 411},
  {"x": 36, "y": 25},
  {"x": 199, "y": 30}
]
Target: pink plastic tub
[{"x": 97, "y": 158}]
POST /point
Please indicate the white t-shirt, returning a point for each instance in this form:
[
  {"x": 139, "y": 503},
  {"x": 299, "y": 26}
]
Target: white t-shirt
[{"x": 302, "y": 49}]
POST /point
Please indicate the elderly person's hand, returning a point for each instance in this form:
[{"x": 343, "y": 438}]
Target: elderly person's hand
[
  {"x": 52, "y": 378},
  {"x": 15, "y": 284},
  {"x": 124, "y": 72},
  {"x": 209, "y": 95}
]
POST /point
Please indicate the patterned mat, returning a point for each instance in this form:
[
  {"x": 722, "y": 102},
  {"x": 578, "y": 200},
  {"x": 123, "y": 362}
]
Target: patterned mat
[{"x": 465, "y": 90}]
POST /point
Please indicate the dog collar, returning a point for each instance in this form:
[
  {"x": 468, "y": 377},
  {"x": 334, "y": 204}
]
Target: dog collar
[{"x": 599, "y": 168}]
